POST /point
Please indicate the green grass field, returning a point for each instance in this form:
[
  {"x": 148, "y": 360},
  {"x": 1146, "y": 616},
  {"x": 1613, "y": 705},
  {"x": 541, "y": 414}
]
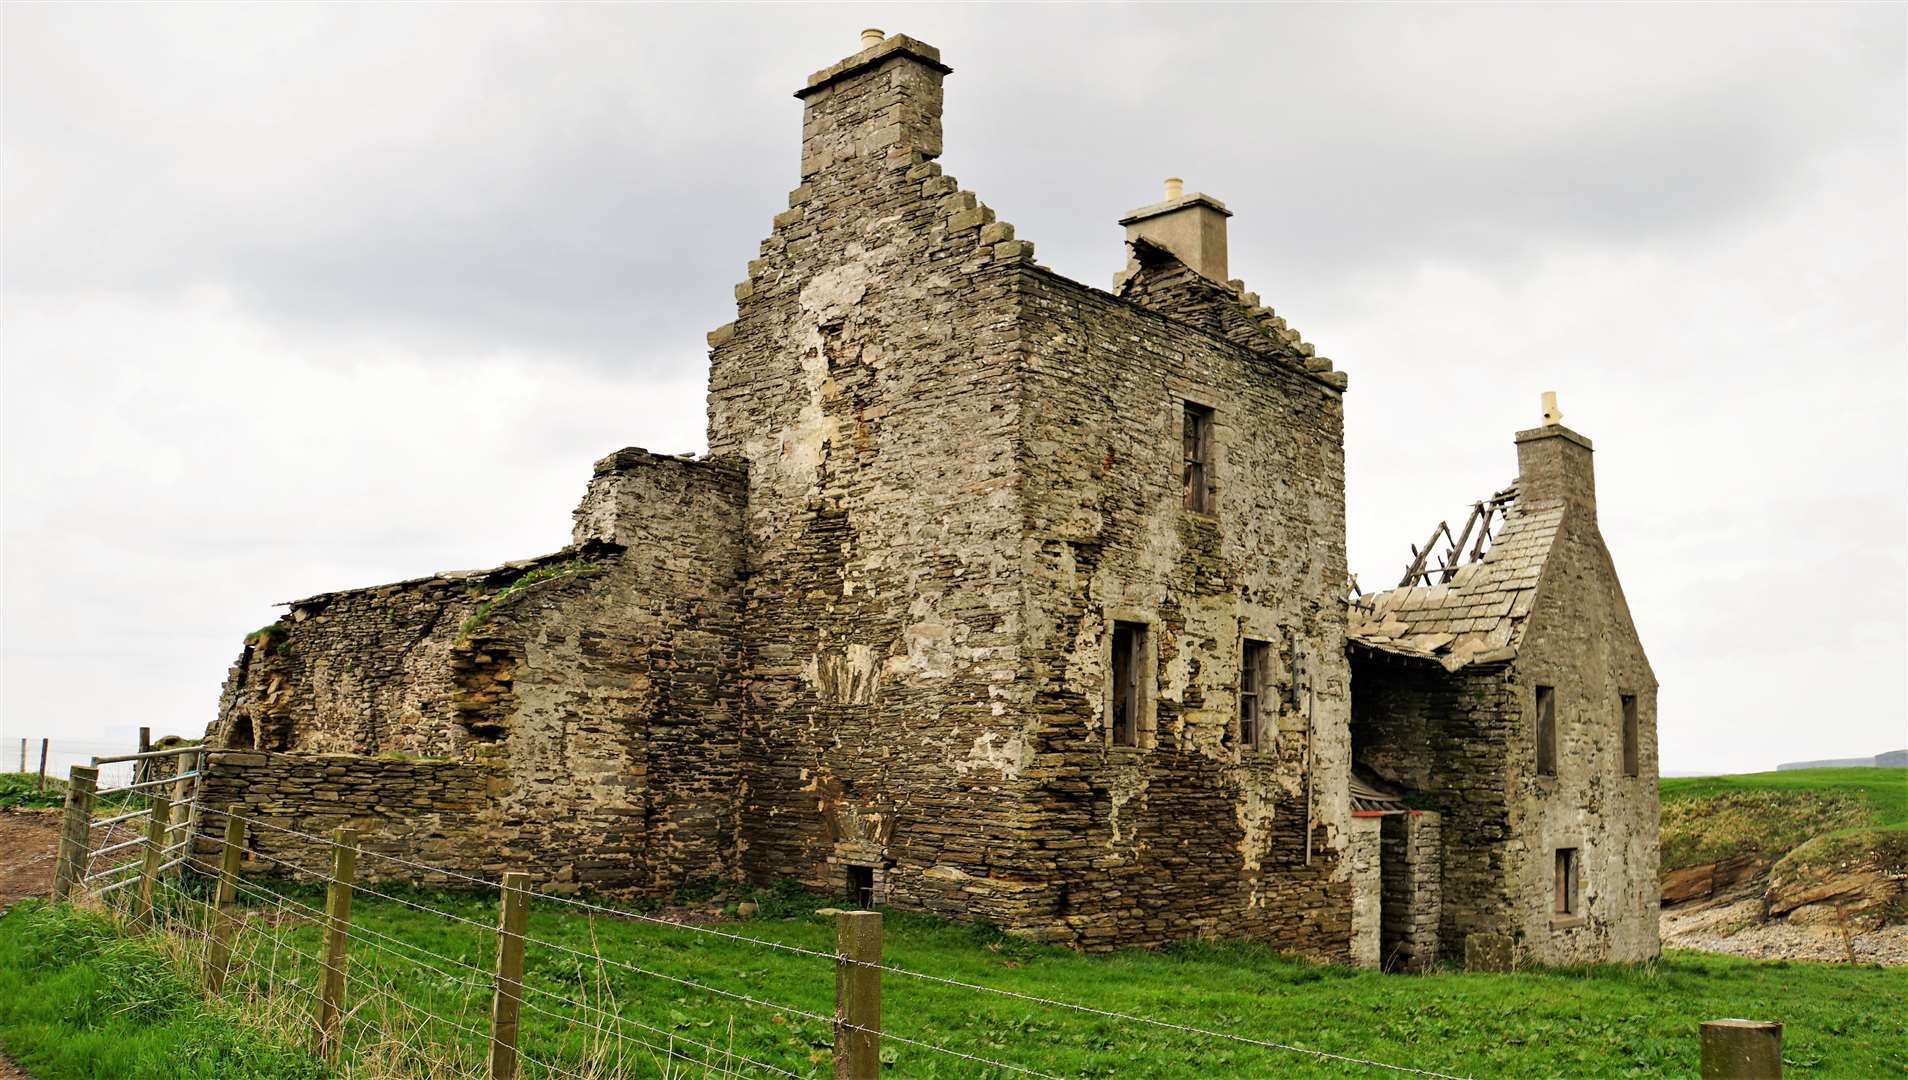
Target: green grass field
[
  {"x": 1588, "y": 1022},
  {"x": 22, "y": 791},
  {"x": 1801, "y": 813}
]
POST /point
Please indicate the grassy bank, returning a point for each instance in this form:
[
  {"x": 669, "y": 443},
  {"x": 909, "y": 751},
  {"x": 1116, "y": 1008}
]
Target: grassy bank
[
  {"x": 1587, "y": 1022},
  {"x": 1769, "y": 815},
  {"x": 79, "y": 1000},
  {"x": 21, "y": 791}
]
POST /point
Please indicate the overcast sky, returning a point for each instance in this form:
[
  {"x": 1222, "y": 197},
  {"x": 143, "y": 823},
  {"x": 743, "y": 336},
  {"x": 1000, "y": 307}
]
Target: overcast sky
[{"x": 299, "y": 298}]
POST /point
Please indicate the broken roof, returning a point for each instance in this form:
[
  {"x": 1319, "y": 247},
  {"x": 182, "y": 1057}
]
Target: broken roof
[{"x": 1478, "y": 617}]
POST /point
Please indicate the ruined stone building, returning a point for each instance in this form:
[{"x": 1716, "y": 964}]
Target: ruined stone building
[{"x": 1002, "y": 597}]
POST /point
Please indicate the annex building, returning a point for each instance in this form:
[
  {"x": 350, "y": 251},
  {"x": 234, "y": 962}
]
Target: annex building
[{"x": 1002, "y": 597}]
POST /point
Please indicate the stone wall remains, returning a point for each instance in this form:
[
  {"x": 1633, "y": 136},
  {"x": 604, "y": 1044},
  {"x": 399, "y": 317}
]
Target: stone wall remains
[
  {"x": 869, "y": 381},
  {"x": 1192, "y": 834},
  {"x": 433, "y": 813},
  {"x": 600, "y": 686}
]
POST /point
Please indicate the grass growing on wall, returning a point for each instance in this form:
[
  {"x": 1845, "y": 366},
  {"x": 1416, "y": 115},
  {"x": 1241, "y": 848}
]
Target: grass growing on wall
[{"x": 1605, "y": 1021}]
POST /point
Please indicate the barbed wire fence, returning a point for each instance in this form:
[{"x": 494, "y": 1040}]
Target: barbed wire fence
[{"x": 423, "y": 1003}]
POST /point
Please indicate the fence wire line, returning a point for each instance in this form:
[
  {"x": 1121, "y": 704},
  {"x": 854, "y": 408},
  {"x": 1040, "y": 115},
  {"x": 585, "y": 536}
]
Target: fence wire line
[
  {"x": 1058, "y": 1003},
  {"x": 636, "y": 916},
  {"x": 489, "y": 986},
  {"x": 692, "y": 984},
  {"x": 376, "y": 988},
  {"x": 361, "y": 984}
]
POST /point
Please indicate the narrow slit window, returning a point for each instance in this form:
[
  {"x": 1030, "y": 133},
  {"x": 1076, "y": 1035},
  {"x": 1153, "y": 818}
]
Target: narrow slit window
[
  {"x": 1564, "y": 888},
  {"x": 1631, "y": 765},
  {"x": 1546, "y": 731},
  {"x": 1197, "y": 478},
  {"x": 1129, "y": 656},
  {"x": 1252, "y": 679}
]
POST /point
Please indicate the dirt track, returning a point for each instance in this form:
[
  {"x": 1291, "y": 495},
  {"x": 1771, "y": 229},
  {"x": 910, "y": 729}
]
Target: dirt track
[{"x": 28, "y": 841}]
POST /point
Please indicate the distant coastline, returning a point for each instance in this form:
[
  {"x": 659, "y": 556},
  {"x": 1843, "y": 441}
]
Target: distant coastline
[{"x": 1893, "y": 759}]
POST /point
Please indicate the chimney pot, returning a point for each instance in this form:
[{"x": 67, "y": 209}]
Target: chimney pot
[
  {"x": 871, "y": 37},
  {"x": 1552, "y": 416},
  {"x": 1175, "y": 188}
]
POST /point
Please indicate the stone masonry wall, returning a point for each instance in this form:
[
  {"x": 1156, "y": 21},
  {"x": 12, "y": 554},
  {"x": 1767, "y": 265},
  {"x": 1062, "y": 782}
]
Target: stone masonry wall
[
  {"x": 1191, "y": 835},
  {"x": 599, "y": 685},
  {"x": 1581, "y": 641},
  {"x": 436, "y": 813},
  {"x": 1447, "y": 739},
  {"x": 1413, "y": 890},
  {"x": 869, "y": 381}
]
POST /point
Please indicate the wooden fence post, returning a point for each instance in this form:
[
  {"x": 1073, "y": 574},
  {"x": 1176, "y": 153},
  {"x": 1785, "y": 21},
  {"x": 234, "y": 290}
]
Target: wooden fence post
[
  {"x": 1742, "y": 1050},
  {"x": 142, "y": 768},
  {"x": 177, "y": 805},
  {"x": 158, "y": 827},
  {"x": 512, "y": 921},
  {"x": 219, "y": 915},
  {"x": 43, "y": 744},
  {"x": 331, "y": 984},
  {"x": 75, "y": 830},
  {"x": 23, "y": 754},
  {"x": 857, "y": 995}
]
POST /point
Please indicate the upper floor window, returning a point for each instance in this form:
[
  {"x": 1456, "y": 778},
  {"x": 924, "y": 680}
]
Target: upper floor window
[
  {"x": 1254, "y": 664},
  {"x": 1631, "y": 762},
  {"x": 1197, "y": 477},
  {"x": 1546, "y": 731}
]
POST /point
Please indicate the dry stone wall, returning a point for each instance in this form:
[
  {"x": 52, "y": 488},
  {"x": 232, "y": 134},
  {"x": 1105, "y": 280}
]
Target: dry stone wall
[{"x": 436, "y": 813}]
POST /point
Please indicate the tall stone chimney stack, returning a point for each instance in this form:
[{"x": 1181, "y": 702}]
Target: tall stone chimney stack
[
  {"x": 1553, "y": 462},
  {"x": 1192, "y": 227},
  {"x": 883, "y": 102}
]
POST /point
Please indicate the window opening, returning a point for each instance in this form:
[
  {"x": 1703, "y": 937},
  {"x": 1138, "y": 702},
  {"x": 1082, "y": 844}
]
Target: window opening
[
  {"x": 1564, "y": 887},
  {"x": 1129, "y": 654},
  {"x": 861, "y": 887},
  {"x": 1546, "y": 731},
  {"x": 1252, "y": 679},
  {"x": 1197, "y": 478},
  {"x": 1630, "y": 762}
]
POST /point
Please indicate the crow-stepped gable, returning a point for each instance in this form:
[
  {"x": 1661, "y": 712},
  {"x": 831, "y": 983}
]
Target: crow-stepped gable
[{"x": 997, "y": 596}]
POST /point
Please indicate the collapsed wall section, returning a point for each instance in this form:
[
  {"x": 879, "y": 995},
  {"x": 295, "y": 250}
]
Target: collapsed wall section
[{"x": 598, "y": 686}]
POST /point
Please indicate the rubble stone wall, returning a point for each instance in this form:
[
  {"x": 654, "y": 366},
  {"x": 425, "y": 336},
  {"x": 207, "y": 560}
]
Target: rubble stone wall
[
  {"x": 869, "y": 381},
  {"x": 599, "y": 685},
  {"x": 1192, "y": 834},
  {"x": 1413, "y": 890},
  {"x": 1581, "y": 641},
  {"x": 435, "y": 813}
]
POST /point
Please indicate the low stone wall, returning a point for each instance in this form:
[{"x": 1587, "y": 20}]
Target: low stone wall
[{"x": 431, "y": 813}]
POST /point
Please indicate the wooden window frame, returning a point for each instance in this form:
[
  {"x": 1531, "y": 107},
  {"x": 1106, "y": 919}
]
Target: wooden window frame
[
  {"x": 1255, "y": 669},
  {"x": 1631, "y": 720},
  {"x": 1545, "y": 714},
  {"x": 1198, "y": 492}
]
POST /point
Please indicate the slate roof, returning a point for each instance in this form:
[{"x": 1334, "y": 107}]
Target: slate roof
[
  {"x": 1479, "y": 615},
  {"x": 1372, "y": 796}
]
